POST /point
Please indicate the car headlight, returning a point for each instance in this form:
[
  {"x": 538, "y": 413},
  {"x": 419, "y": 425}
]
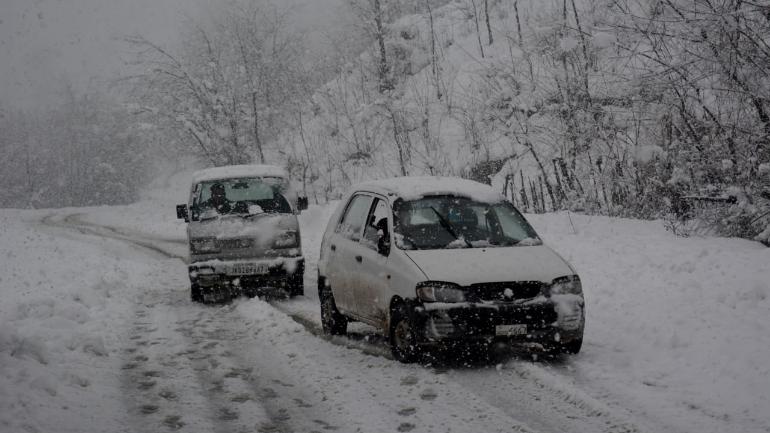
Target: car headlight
[
  {"x": 566, "y": 285},
  {"x": 204, "y": 245},
  {"x": 439, "y": 291},
  {"x": 286, "y": 240}
]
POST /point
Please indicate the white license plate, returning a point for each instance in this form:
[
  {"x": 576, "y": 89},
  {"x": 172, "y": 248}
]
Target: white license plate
[
  {"x": 510, "y": 330},
  {"x": 249, "y": 269}
]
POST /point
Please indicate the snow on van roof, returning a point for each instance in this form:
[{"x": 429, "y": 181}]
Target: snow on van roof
[
  {"x": 413, "y": 188},
  {"x": 236, "y": 171}
]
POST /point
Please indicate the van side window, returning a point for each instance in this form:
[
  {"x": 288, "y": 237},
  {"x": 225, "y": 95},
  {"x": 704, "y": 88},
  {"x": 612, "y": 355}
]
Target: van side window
[
  {"x": 355, "y": 216},
  {"x": 194, "y": 206}
]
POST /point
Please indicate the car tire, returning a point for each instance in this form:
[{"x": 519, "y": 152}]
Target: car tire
[
  {"x": 403, "y": 338},
  {"x": 195, "y": 293},
  {"x": 333, "y": 322}
]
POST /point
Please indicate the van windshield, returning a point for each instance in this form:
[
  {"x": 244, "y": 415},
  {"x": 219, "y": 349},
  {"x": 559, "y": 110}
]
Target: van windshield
[
  {"x": 439, "y": 222},
  {"x": 240, "y": 196}
]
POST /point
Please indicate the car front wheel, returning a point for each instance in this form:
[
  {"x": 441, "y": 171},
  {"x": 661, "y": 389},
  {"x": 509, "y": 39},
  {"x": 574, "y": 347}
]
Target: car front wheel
[{"x": 403, "y": 336}]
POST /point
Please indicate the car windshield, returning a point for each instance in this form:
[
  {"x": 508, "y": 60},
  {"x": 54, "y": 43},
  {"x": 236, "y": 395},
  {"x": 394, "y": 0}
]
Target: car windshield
[
  {"x": 440, "y": 222},
  {"x": 243, "y": 196}
]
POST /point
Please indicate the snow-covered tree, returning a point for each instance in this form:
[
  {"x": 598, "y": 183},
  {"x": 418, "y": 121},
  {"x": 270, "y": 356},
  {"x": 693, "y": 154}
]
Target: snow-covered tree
[{"x": 230, "y": 87}]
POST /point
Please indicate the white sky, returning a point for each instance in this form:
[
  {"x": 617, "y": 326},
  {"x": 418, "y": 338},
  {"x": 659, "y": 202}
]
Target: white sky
[{"x": 46, "y": 43}]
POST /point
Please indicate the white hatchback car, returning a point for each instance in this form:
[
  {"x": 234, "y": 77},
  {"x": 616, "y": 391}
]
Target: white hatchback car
[{"x": 432, "y": 260}]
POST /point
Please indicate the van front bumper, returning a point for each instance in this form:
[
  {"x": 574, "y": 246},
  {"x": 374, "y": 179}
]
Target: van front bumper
[{"x": 248, "y": 273}]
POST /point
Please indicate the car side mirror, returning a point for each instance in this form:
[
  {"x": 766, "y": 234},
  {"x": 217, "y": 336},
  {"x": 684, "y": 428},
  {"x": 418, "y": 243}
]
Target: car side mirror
[
  {"x": 383, "y": 245},
  {"x": 302, "y": 203},
  {"x": 181, "y": 213}
]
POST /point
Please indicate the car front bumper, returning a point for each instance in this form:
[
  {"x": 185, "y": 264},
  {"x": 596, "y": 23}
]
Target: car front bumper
[{"x": 544, "y": 322}]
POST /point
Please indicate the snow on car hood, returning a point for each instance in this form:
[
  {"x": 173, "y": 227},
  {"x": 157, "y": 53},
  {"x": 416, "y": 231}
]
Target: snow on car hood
[{"x": 467, "y": 266}]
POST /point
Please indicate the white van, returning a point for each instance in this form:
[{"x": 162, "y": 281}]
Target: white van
[{"x": 243, "y": 232}]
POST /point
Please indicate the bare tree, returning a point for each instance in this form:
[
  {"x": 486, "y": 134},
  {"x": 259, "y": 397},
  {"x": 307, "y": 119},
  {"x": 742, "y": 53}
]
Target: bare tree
[{"x": 229, "y": 86}]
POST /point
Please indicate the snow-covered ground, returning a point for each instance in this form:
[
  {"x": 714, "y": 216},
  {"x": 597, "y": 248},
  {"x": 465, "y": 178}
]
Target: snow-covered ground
[{"x": 97, "y": 334}]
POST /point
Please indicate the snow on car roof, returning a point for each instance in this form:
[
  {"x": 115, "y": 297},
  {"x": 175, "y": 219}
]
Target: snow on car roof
[
  {"x": 236, "y": 171},
  {"x": 413, "y": 188}
]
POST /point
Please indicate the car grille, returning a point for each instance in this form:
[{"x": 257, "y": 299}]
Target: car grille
[
  {"x": 234, "y": 244},
  {"x": 496, "y": 292},
  {"x": 482, "y": 321}
]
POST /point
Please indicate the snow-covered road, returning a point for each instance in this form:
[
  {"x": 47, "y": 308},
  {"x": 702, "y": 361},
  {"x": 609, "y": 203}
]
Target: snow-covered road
[
  {"x": 253, "y": 363},
  {"x": 98, "y": 334}
]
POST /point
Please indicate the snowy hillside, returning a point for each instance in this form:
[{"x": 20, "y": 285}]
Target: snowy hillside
[
  {"x": 97, "y": 334},
  {"x": 565, "y": 105},
  {"x": 633, "y": 108}
]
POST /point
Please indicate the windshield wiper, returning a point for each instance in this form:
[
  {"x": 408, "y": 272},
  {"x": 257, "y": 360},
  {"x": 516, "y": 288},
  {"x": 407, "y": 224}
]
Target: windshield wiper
[{"x": 448, "y": 227}]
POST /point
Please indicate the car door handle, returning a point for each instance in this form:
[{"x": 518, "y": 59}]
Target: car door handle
[
  {"x": 359, "y": 259},
  {"x": 334, "y": 247}
]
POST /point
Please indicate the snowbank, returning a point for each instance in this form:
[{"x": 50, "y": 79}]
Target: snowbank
[
  {"x": 65, "y": 299},
  {"x": 679, "y": 323}
]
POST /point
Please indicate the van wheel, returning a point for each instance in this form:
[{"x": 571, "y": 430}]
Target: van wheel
[
  {"x": 403, "y": 337},
  {"x": 333, "y": 322},
  {"x": 195, "y": 293},
  {"x": 296, "y": 284},
  {"x": 296, "y": 287},
  {"x": 569, "y": 348},
  {"x": 249, "y": 292},
  {"x": 572, "y": 347}
]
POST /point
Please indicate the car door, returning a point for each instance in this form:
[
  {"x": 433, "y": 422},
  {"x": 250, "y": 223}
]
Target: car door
[
  {"x": 371, "y": 279},
  {"x": 343, "y": 247}
]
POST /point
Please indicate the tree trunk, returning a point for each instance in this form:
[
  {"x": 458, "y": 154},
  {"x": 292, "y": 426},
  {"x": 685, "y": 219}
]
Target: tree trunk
[
  {"x": 382, "y": 70},
  {"x": 521, "y": 44},
  {"x": 398, "y": 138},
  {"x": 486, "y": 16},
  {"x": 556, "y": 203},
  {"x": 478, "y": 30},
  {"x": 257, "y": 138},
  {"x": 434, "y": 56}
]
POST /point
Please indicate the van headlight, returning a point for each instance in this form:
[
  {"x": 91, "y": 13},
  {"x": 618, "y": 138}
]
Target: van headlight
[
  {"x": 566, "y": 285},
  {"x": 286, "y": 240},
  {"x": 204, "y": 245},
  {"x": 439, "y": 291}
]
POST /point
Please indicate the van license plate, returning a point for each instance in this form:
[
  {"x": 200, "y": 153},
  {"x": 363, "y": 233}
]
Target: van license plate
[
  {"x": 510, "y": 330},
  {"x": 249, "y": 269}
]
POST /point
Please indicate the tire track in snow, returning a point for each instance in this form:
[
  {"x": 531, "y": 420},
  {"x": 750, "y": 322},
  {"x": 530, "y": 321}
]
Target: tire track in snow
[
  {"x": 523, "y": 389},
  {"x": 290, "y": 407},
  {"x": 176, "y": 374},
  {"x": 184, "y": 379}
]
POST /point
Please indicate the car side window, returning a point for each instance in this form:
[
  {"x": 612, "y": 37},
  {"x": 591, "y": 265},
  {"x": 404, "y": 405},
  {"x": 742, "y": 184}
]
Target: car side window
[
  {"x": 376, "y": 221},
  {"x": 352, "y": 222}
]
